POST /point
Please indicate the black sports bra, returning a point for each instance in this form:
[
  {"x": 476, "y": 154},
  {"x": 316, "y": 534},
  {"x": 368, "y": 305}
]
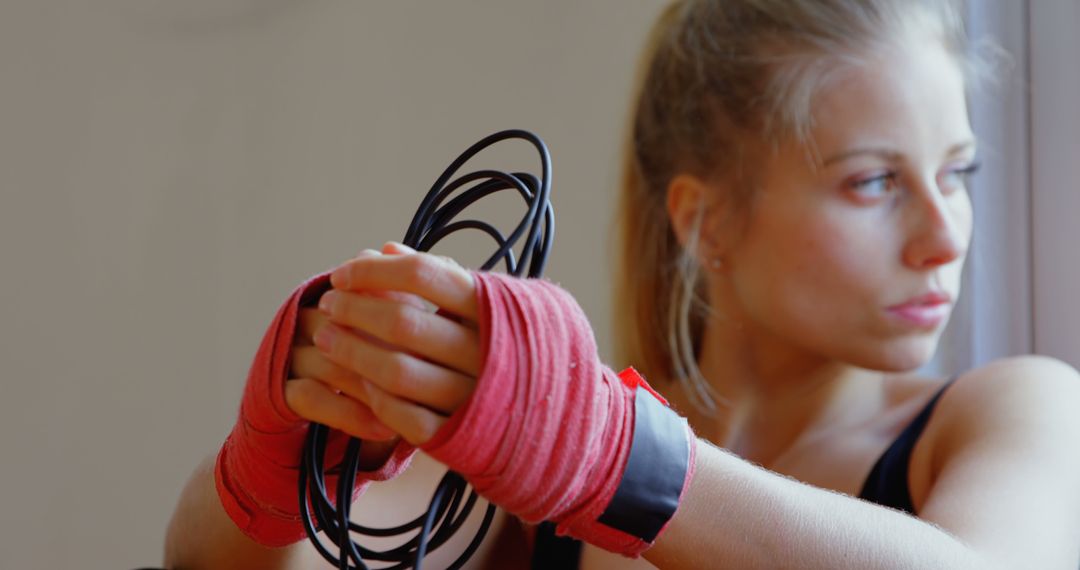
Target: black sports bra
[{"x": 887, "y": 485}]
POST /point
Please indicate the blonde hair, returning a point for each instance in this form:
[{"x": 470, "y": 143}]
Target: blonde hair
[{"x": 716, "y": 77}]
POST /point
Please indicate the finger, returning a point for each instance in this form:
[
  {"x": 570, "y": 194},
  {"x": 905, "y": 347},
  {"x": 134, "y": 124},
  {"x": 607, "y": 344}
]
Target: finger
[
  {"x": 310, "y": 362},
  {"x": 307, "y": 322},
  {"x": 446, "y": 284},
  {"x": 317, "y": 402},
  {"x": 396, "y": 372},
  {"x": 310, "y": 319},
  {"x": 414, "y": 423},
  {"x": 393, "y": 247},
  {"x": 400, "y": 296},
  {"x": 431, "y": 336}
]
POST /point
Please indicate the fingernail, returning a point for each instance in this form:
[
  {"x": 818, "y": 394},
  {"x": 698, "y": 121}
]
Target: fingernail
[
  {"x": 324, "y": 337},
  {"x": 339, "y": 278},
  {"x": 326, "y": 303},
  {"x": 398, "y": 246}
]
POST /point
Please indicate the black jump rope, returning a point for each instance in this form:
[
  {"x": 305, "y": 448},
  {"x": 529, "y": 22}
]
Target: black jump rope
[{"x": 449, "y": 506}]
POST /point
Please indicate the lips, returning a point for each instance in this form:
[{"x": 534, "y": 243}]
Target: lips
[{"x": 925, "y": 311}]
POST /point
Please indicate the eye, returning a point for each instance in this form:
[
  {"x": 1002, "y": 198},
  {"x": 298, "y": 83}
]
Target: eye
[
  {"x": 958, "y": 177},
  {"x": 874, "y": 186}
]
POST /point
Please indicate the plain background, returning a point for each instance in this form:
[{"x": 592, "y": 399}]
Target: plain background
[{"x": 171, "y": 170}]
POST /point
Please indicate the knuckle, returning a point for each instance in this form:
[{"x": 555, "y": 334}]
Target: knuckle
[
  {"x": 376, "y": 403},
  {"x": 382, "y": 369},
  {"x": 423, "y": 272},
  {"x": 405, "y": 382},
  {"x": 405, "y": 326},
  {"x": 347, "y": 354},
  {"x": 456, "y": 269},
  {"x": 404, "y": 370},
  {"x": 395, "y": 367},
  {"x": 339, "y": 352}
]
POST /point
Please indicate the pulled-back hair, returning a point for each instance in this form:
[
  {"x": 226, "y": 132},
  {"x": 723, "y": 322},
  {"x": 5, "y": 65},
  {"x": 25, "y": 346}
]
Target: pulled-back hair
[{"x": 718, "y": 79}]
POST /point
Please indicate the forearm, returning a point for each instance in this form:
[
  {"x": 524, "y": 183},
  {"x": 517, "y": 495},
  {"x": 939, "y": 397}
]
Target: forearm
[
  {"x": 201, "y": 534},
  {"x": 737, "y": 515}
]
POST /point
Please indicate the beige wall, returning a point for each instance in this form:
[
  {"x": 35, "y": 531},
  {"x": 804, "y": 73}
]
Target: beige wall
[{"x": 170, "y": 170}]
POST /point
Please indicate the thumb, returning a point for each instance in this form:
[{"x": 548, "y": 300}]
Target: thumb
[{"x": 392, "y": 247}]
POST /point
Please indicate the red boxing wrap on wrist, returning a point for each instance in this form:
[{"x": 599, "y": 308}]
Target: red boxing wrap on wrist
[
  {"x": 257, "y": 469},
  {"x": 548, "y": 433}
]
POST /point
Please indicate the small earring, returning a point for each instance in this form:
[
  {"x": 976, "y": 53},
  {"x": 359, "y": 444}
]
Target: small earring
[{"x": 716, "y": 263}]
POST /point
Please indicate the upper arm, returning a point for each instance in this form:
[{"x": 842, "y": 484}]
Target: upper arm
[{"x": 1006, "y": 469}]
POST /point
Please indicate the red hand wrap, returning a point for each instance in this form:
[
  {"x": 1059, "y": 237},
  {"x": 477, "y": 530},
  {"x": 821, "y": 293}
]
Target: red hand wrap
[
  {"x": 548, "y": 431},
  {"x": 256, "y": 474}
]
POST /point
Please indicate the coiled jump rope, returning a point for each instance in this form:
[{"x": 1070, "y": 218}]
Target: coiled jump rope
[{"x": 450, "y": 507}]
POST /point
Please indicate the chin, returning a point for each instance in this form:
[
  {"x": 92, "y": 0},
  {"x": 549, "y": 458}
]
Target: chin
[{"x": 895, "y": 355}]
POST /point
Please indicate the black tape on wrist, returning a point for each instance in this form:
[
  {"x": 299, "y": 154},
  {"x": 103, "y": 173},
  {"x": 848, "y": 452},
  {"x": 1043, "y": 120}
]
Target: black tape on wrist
[{"x": 649, "y": 491}]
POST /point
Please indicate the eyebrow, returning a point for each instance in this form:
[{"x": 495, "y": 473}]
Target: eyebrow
[{"x": 889, "y": 154}]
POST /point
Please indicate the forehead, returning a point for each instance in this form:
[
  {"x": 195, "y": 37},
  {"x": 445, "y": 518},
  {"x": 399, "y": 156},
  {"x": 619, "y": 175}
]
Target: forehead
[{"x": 910, "y": 97}]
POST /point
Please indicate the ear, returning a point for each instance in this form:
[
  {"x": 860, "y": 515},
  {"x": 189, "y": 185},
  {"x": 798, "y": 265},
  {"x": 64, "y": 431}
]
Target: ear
[{"x": 688, "y": 197}]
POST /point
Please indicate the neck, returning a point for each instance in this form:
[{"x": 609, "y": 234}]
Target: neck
[{"x": 773, "y": 395}]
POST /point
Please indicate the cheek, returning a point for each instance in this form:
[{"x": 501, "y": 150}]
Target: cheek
[{"x": 819, "y": 276}]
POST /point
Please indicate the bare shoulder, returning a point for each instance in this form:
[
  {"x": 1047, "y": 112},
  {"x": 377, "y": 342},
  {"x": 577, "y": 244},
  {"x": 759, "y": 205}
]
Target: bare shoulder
[
  {"x": 1018, "y": 393},
  {"x": 1004, "y": 472},
  {"x": 1033, "y": 369}
]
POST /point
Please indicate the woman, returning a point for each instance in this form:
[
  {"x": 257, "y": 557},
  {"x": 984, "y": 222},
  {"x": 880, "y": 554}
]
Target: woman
[{"x": 795, "y": 222}]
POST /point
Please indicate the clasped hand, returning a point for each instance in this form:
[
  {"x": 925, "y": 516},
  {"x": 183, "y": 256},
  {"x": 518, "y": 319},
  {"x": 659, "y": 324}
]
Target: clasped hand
[{"x": 375, "y": 360}]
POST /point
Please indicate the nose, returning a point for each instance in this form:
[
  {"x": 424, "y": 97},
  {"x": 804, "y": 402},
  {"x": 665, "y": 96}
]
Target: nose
[{"x": 940, "y": 227}]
